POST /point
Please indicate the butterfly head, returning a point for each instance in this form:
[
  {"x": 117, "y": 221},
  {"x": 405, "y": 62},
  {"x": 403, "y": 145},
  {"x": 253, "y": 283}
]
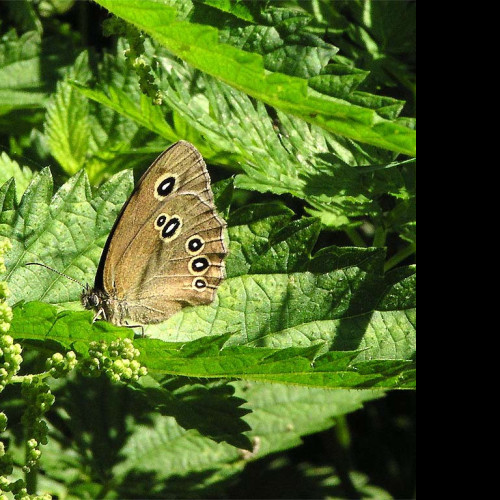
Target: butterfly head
[{"x": 90, "y": 298}]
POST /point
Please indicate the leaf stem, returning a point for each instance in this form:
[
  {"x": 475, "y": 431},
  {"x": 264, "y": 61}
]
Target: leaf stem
[
  {"x": 400, "y": 256},
  {"x": 355, "y": 237},
  {"x": 343, "y": 465},
  {"x": 19, "y": 379},
  {"x": 30, "y": 477},
  {"x": 379, "y": 237}
]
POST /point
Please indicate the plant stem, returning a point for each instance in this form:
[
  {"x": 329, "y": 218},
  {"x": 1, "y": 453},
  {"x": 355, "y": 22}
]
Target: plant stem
[
  {"x": 31, "y": 477},
  {"x": 343, "y": 465},
  {"x": 379, "y": 237},
  {"x": 400, "y": 256},
  {"x": 19, "y": 379},
  {"x": 355, "y": 237}
]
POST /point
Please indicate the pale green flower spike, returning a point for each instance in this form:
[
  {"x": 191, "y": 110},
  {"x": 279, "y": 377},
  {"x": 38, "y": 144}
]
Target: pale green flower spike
[
  {"x": 117, "y": 360},
  {"x": 10, "y": 353}
]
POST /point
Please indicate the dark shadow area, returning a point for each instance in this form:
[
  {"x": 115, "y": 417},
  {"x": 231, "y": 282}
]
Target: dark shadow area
[
  {"x": 191, "y": 485},
  {"x": 382, "y": 444},
  {"x": 211, "y": 408}
]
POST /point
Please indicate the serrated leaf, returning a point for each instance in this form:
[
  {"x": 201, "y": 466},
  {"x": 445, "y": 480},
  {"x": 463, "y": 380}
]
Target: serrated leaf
[
  {"x": 280, "y": 416},
  {"x": 70, "y": 329},
  {"x": 83, "y": 134},
  {"x": 277, "y": 297},
  {"x": 11, "y": 169},
  {"x": 67, "y": 126},
  {"x": 330, "y": 173},
  {"x": 338, "y": 296},
  {"x": 28, "y": 72},
  {"x": 199, "y": 46},
  {"x": 21, "y": 85},
  {"x": 210, "y": 408},
  {"x": 290, "y": 365},
  {"x": 66, "y": 231}
]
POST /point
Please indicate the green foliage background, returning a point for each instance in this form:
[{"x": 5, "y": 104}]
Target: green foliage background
[{"x": 304, "y": 111}]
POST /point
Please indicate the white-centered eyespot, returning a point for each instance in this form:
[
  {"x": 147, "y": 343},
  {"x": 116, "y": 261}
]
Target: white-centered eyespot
[
  {"x": 199, "y": 284},
  {"x": 171, "y": 229},
  {"x": 165, "y": 185},
  {"x": 195, "y": 245},
  {"x": 160, "y": 221},
  {"x": 199, "y": 265}
]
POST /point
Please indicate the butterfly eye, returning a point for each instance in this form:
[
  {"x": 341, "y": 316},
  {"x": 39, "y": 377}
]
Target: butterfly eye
[
  {"x": 94, "y": 300},
  {"x": 195, "y": 245},
  {"x": 164, "y": 186},
  {"x": 171, "y": 228},
  {"x": 199, "y": 284},
  {"x": 199, "y": 265}
]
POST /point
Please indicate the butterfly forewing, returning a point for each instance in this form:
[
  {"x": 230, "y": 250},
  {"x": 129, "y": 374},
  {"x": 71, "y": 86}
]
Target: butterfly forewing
[{"x": 167, "y": 249}]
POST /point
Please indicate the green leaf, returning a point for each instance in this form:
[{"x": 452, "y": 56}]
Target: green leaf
[
  {"x": 276, "y": 33},
  {"x": 66, "y": 231},
  {"x": 21, "y": 84},
  {"x": 11, "y": 169},
  {"x": 83, "y": 134},
  {"x": 211, "y": 408},
  {"x": 199, "y": 46},
  {"x": 152, "y": 455},
  {"x": 67, "y": 126},
  {"x": 28, "y": 72},
  {"x": 338, "y": 178},
  {"x": 207, "y": 357},
  {"x": 280, "y": 416},
  {"x": 276, "y": 295},
  {"x": 37, "y": 321},
  {"x": 296, "y": 366},
  {"x": 380, "y": 37},
  {"x": 282, "y": 315}
]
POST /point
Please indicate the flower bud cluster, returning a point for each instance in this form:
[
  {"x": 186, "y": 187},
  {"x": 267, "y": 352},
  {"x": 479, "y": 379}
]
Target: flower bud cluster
[
  {"x": 117, "y": 360},
  {"x": 60, "y": 364},
  {"x": 10, "y": 352},
  {"x": 135, "y": 56},
  {"x": 38, "y": 399}
]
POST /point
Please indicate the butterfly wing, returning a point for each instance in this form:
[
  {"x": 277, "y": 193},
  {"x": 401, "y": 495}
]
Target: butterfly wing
[{"x": 166, "y": 250}]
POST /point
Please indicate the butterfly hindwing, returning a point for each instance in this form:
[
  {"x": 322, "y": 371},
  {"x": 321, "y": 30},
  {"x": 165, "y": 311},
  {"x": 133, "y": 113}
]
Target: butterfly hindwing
[{"x": 167, "y": 249}]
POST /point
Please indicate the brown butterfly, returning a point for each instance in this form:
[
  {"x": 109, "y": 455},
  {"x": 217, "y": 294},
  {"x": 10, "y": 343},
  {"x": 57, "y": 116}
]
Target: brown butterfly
[{"x": 166, "y": 249}]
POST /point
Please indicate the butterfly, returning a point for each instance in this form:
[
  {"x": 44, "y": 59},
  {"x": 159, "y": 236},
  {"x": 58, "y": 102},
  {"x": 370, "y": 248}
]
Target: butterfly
[{"x": 166, "y": 249}]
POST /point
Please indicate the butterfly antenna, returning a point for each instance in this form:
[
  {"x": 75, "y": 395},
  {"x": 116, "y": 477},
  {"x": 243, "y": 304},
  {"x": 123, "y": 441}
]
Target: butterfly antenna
[{"x": 57, "y": 272}]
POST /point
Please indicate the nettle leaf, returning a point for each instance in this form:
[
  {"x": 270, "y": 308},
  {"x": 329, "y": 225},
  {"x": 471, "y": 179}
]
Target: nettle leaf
[
  {"x": 176, "y": 462},
  {"x": 83, "y": 134},
  {"x": 380, "y": 39},
  {"x": 11, "y": 169},
  {"x": 40, "y": 321},
  {"x": 282, "y": 315},
  {"x": 280, "y": 154},
  {"x": 277, "y": 295},
  {"x": 280, "y": 416},
  {"x": 200, "y": 47},
  {"x": 67, "y": 125},
  {"x": 275, "y": 33},
  {"x": 28, "y": 73},
  {"x": 211, "y": 408},
  {"x": 66, "y": 231},
  {"x": 21, "y": 85},
  {"x": 282, "y": 37}
]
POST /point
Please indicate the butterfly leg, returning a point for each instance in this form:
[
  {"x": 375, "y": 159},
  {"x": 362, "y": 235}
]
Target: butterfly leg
[
  {"x": 98, "y": 315},
  {"x": 136, "y": 326}
]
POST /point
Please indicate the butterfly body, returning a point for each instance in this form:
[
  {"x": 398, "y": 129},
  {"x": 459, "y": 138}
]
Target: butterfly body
[
  {"x": 167, "y": 249},
  {"x": 110, "y": 309}
]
